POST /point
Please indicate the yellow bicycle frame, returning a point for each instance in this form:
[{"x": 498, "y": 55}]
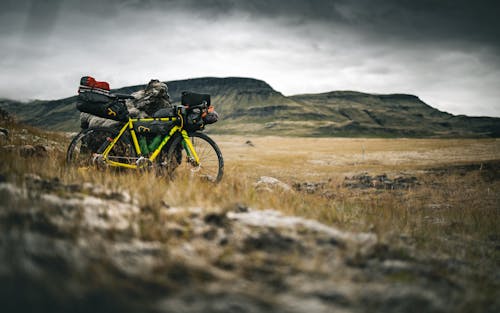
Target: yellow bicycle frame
[{"x": 130, "y": 126}]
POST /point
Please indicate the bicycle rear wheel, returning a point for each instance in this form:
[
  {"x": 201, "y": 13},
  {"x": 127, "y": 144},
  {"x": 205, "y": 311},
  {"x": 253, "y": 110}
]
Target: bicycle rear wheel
[
  {"x": 86, "y": 148},
  {"x": 177, "y": 162}
]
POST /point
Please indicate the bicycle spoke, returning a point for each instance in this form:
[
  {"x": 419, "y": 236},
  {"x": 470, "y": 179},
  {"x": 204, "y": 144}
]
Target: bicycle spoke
[{"x": 210, "y": 166}]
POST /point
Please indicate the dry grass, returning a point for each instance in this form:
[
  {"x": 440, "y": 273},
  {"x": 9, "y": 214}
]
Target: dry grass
[
  {"x": 321, "y": 158},
  {"x": 451, "y": 213},
  {"x": 462, "y": 203}
]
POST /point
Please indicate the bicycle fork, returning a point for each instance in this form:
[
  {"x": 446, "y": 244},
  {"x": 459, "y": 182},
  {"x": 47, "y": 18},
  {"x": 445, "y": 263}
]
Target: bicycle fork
[{"x": 188, "y": 146}]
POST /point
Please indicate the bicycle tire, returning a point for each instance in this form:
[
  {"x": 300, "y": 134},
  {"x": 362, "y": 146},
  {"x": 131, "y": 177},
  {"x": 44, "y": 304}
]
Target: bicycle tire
[
  {"x": 176, "y": 162},
  {"x": 90, "y": 142}
]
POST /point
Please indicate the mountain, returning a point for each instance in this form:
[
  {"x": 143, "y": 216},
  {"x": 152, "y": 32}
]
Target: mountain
[
  {"x": 353, "y": 113},
  {"x": 251, "y": 106}
]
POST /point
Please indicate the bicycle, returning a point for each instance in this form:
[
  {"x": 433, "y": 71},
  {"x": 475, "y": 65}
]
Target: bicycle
[{"x": 170, "y": 142}]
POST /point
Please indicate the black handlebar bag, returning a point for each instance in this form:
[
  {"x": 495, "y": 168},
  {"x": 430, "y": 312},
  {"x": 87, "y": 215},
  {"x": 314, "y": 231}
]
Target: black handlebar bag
[{"x": 191, "y": 98}]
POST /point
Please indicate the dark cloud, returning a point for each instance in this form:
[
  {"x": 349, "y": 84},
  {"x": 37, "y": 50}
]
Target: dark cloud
[
  {"x": 464, "y": 21},
  {"x": 446, "y": 52},
  {"x": 424, "y": 20},
  {"x": 42, "y": 23}
]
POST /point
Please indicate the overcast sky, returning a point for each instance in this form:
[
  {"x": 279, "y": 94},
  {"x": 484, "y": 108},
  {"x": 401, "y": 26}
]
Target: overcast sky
[{"x": 447, "y": 52}]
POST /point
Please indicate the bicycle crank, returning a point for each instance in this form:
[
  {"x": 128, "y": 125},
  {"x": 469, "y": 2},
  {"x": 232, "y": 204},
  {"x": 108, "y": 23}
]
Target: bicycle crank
[
  {"x": 143, "y": 162},
  {"x": 98, "y": 161}
]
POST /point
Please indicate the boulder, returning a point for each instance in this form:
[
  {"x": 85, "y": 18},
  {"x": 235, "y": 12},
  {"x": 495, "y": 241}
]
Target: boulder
[
  {"x": 4, "y": 136},
  {"x": 310, "y": 187},
  {"x": 33, "y": 151},
  {"x": 364, "y": 181},
  {"x": 270, "y": 183},
  {"x": 98, "y": 250}
]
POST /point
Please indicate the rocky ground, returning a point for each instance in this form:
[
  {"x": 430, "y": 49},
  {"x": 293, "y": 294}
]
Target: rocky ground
[{"x": 82, "y": 248}]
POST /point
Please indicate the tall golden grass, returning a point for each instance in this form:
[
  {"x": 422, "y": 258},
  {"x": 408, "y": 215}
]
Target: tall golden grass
[{"x": 449, "y": 212}]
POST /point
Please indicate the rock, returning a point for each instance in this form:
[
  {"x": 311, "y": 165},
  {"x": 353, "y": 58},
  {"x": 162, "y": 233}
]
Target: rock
[
  {"x": 217, "y": 219},
  {"x": 358, "y": 181},
  {"x": 275, "y": 219},
  {"x": 33, "y": 151},
  {"x": 405, "y": 182},
  {"x": 363, "y": 181},
  {"x": 309, "y": 187},
  {"x": 98, "y": 251},
  {"x": 8, "y": 148},
  {"x": 106, "y": 193},
  {"x": 270, "y": 125},
  {"x": 26, "y": 151},
  {"x": 269, "y": 183},
  {"x": 271, "y": 241},
  {"x": 4, "y": 136},
  {"x": 35, "y": 182}
]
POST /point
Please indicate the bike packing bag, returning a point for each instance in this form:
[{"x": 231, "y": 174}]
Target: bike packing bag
[
  {"x": 153, "y": 127},
  {"x": 94, "y": 98},
  {"x": 165, "y": 112},
  {"x": 194, "y": 120},
  {"x": 89, "y": 81},
  {"x": 102, "y": 106},
  {"x": 210, "y": 116},
  {"x": 191, "y": 98}
]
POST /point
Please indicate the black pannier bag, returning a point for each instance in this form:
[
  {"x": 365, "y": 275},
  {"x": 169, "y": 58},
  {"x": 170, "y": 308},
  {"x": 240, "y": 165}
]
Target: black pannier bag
[
  {"x": 153, "y": 127},
  {"x": 211, "y": 116},
  {"x": 194, "y": 120},
  {"x": 94, "y": 98}
]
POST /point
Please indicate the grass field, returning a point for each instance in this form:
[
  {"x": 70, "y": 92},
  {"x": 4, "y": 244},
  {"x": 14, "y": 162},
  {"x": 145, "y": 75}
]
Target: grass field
[
  {"x": 458, "y": 187},
  {"x": 456, "y": 177},
  {"x": 451, "y": 213},
  {"x": 303, "y": 158}
]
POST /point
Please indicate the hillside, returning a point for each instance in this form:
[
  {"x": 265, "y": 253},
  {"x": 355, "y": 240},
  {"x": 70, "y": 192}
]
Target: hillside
[
  {"x": 353, "y": 113},
  {"x": 250, "y": 106}
]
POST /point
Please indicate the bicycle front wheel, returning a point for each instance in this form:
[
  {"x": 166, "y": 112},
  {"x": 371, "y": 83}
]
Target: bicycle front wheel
[
  {"x": 180, "y": 163},
  {"x": 86, "y": 148}
]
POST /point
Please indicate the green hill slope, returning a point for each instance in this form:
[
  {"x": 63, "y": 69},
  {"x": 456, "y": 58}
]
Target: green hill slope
[
  {"x": 353, "y": 113},
  {"x": 54, "y": 115},
  {"x": 251, "y": 106}
]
